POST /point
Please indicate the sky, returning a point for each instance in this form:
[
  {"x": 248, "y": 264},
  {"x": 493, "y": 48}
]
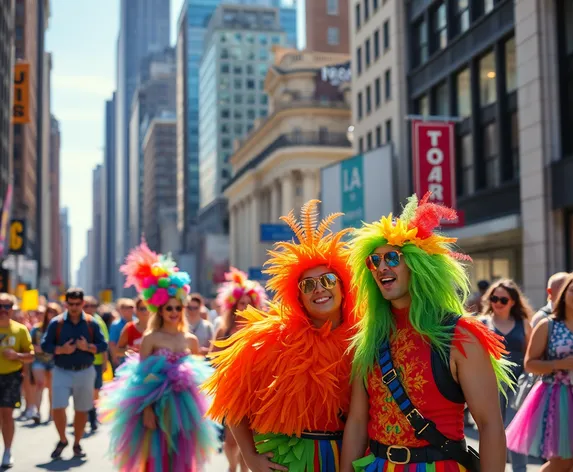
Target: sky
[{"x": 82, "y": 38}]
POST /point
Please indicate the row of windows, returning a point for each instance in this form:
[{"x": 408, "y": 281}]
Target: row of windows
[
  {"x": 238, "y": 54},
  {"x": 372, "y": 99},
  {"x": 238, "y": 113},
  {"x": 249, "y": 38},
  {"x": 369, "y": 143},
  {"x": 249, "y": 69},
  {"x": 374, "y": 43},
  {"x": 240, "y": 99},
  {"x": 433, "y": 31},
  {"x": 250, "y": 84},
  {"x": 363, "y": 6}
]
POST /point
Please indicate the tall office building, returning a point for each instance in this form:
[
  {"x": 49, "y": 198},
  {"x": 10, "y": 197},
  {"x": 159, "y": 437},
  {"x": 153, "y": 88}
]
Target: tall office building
[
  {"x": 154, "y": 96},
  {"x": 192, "y": 26},
  {"x": 96, "y": 262},
  {"x": 55, "y": 238},
  {"x": 144, "y": 28},
  {"x": 108, "y": 198},
  {"x": 6, "y": 87},
  {"x": 327, "y": 25},
  {"x": 65, "y": 237},
  {"x": 238, "y": 52}
]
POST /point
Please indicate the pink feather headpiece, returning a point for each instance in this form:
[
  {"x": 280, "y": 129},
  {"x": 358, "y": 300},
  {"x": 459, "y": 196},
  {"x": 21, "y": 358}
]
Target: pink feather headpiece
[
  {"x": 155, "y": 277},
  {"x": 237, "y": 285}
]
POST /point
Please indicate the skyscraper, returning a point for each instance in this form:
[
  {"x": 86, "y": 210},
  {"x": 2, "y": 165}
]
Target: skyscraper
[
  {"x": 55, "y": 239},
  {"x": 144, "y": 28},
  {"x": 65, "y": 237},
  {"x": 96, "y": 263},
  {"x": 108, "y": 197}
]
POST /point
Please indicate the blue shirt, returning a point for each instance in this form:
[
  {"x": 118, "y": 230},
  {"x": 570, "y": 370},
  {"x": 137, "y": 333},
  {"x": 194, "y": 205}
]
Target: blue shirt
[
  {"x": 115, "y": 330},
  {"x": 69, "y": 330}
]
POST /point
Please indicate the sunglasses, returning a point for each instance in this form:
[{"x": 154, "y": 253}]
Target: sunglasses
[
  {"x": 142, "y": 308},
  {"x": 308, "y": 285},
  {"x": 193, "y": 307},
  {"x": 171, "y": 308},
  {"x": 496, "y": 299},
  {"x": 391, "y": 259},
  {"x": 6, "y": 306},
  {"x": 74, "y": 304}
]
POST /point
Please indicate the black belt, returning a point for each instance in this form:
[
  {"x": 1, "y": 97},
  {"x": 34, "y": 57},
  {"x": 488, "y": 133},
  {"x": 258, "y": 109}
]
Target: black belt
[
  {"x": 76, "y": 368},
  {"x": 322, "y": 435},
  {"x": 407, "y": 455}
]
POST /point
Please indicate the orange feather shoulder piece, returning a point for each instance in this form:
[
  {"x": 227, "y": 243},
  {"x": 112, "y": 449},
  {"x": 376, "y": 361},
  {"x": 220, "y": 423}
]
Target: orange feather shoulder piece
[
  {"x": 490, "y": 341},
  {"x": 282, "y": 374}
]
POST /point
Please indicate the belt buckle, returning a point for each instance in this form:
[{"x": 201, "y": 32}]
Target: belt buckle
[
  {"x": 393, "y": 376},
  {"x": 398, "y": 448}
]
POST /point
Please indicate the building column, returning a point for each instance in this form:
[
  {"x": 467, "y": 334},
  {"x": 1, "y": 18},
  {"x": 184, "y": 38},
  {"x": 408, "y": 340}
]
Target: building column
[
  {"x": 254, "y": 229},
  {"x": 309, "y": 189},
  {"x": 233, "y": 235},
  {"x": 287, "y": 187},
  {"x": 274, "y": 203},
  {"x": 241, "y": 223}
]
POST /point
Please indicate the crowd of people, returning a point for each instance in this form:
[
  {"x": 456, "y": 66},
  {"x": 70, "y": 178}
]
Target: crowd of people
[{"x": 366, "y": 357}]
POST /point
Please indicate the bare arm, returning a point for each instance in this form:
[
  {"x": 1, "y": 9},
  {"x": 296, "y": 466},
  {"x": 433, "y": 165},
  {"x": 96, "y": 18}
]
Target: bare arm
[
  {"x": 147, "y": 345},
  {"x": 193, "y": 344},
  {"x": 534, "y": 357},
  {"x": 528, "y": 331},
  {"x": 121, "y": 346},
  {"x": 475, "y": 375},
  {"x": 355, "y": 440}
]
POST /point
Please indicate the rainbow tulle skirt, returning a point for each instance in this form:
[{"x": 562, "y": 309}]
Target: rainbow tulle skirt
[
  {"x": 183, "y": 439},
  {"x": 301, "y": 454},
  {"x": 371, "y": 463},
  {"x": 543, "y": 426}
]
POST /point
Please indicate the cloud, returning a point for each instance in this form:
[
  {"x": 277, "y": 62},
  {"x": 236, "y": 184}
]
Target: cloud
[{"x": 89, "y": 84}]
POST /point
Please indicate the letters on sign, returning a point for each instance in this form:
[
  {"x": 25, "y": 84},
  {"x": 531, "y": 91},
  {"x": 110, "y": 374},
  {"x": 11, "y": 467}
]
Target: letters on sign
[
  {"x": 21, "y": 107},
  {"x": 17, "y": 237}
]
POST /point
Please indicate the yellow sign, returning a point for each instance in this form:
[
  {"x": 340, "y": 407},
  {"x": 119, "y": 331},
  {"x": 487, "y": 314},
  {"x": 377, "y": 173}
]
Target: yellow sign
[
  {"x": 17, "y": 237},
  {"x": 30, "y": 300},
  {"x": 21, "y": 109},
  {"x": 106, "y": 296}
]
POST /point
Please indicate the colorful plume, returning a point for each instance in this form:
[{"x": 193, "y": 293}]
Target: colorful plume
[{"x": 237, "y": 285}]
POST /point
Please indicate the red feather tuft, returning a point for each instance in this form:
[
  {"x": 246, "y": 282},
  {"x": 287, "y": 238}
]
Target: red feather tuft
[
  {"x": 428, "y": 217},
  {"x": 490, "y": 341}
]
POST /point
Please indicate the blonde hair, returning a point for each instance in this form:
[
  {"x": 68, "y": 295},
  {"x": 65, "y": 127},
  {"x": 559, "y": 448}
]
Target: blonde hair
[
  {"x": 124, "y": 301},
  {"x": 155, "y": 322}
]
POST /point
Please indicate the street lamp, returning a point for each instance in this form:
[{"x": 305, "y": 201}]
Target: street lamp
[{"x": 350, "y": 134}]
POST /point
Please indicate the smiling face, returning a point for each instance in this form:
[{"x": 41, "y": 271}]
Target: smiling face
[
  {"x": 6, "y": 304},
  {"x": 321, "y": 294},
  {"x": 391, "y": 274},
  {"x": 172, "y": 312},
  {"x": 243, "y": 303},
  {"x": 501, "y": 302}
]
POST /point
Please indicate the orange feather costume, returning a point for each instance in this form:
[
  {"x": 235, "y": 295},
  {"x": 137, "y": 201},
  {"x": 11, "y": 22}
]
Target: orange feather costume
[{"x": 285, "y": 376}]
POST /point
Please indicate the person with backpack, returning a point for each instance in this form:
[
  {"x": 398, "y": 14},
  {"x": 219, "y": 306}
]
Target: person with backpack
[{"x": 74, "y": 338}]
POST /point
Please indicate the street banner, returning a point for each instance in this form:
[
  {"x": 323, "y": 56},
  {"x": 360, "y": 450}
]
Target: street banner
[
  {"x": 352, "y": 175},
  {"x": 21, "y": 108},
  {"x": 433, "y": 155},
  {"x": 5, "y": 220},
  {"x": 17, "y": 237}
]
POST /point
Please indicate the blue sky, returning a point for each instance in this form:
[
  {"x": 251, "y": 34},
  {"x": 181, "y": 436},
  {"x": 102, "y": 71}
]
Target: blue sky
[{"x": 82, "y": 39}]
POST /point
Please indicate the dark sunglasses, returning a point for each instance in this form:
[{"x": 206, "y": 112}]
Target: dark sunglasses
[
  {"x": 496, "y": 299},
  {"x": 6, "y": 306},
  {"x": 193, "y": 307},
  {"x": 142, "y": 308},
  {"x": 391, "y": 259},
  {"x": 170, "y": 308},
  {"x": 308, "y": 285}
]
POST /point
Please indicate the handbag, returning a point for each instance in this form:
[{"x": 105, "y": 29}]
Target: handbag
[
  {"x": 526, "y": 381},
  {"x": 423, "y": 428}
]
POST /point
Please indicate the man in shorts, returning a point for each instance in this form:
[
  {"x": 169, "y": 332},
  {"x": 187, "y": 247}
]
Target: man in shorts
[
  {"x": 74, "y": 338},
  {"x": 15, "y": 350}
]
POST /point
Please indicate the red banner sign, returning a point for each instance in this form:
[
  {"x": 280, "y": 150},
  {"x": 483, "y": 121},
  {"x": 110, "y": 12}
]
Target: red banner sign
[{"x": 434, "y": 153}]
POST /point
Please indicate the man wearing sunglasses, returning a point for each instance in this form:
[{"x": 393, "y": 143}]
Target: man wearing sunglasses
[
  {"x": 416, "y": 360},
  {"x": 286, "y": 374}
]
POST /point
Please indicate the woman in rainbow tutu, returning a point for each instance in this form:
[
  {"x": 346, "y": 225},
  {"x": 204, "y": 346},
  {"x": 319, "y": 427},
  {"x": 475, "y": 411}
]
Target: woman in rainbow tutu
[
  {"x": 154, "y": 406},
  {"x": 543, "y": 426}
]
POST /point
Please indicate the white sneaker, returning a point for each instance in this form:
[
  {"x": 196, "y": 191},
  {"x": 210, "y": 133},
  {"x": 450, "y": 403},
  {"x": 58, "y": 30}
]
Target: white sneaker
[{"x": 7, "y": 461}]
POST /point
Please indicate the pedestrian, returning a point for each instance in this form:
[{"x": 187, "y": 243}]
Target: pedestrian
[
  {"x": 100, "y": 359},
  {"x": 199, "y": 326},
  {"x": 132, "y": 334},
  {"x": 417, "y": 361},
  {"x": 154, "y": 405},
  {"x": 543, "y": 426},
  {"x": 507, "y": 313},
  {"x": 126, "y": 309},
  {"x": 74, "y": 338},
  {"x": 43, "y": 363},
  {"x": 15, "y": 350},
  {"x": 554, "y": 285},
  {"x": 282, "y": 383},
  {"x": 475, "y": 301}
]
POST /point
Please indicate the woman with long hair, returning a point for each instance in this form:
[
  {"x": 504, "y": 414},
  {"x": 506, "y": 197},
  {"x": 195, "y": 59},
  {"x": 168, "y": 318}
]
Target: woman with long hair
[
  {"x": 233, "y": 297},
  {"x": 43, "y": 362},
  {"x": 507, "y": 313},
  {"x": 543, "y": 426},
  {"x": 154, "y": 406}
]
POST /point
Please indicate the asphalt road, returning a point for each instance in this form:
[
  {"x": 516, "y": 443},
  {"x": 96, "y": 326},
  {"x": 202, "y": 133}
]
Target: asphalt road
[{"x": 34, "y": 444}]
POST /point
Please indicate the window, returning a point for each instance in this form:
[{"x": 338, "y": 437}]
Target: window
[
  {"x": 442, "y": 100},
  {"x": 238, "y": 99},
  {"x": 367, "y": 52},
  {"x": 225, "y": 113},
  {"x": 332, "y": 7},
  {"x": 359, "y": 60},
  {"x": 238, "y": 83},
  {"x": 464, "y": 94},
  {"x": 378, "y": 136},
  {"x": 488, "y": 93},
  {"x": 250, "y": 84},
  {"x": 376, "y": 42},
  {"x": 357, "y": 14},
  {"x": 388, "y": 126},
  {"x": 387, "y": 85},
  {"x": 510, "y": 66},
  {"x": 366, "y": 10},
  {"x": 224, "y": 53},
  {"x": 359, "y": 105},
  {"x": 467, "y": 163},
  {"x": 491, "y": 154},
  {"x": 488, "y": 6},
  {"x": 515, "y": 144},
  {"x": 386, "y": 31},
  {"x": 377, "y": 93},
  {"x": 368, "y": 100},
  {"x": 422, "y": 106},
  {"x": 19, "y": 33},
  {"x": 361, "y": 145},
  {"x": 369, "y": 141},
  {"x": 462, "y": 15},
  {"x": 375, "y": 5},
  {"x": 333, "y": 36},
  {"x": 420, "y": 42},
  {"x": 224, "y": 68},
  {"x": 440, "y": 28}
]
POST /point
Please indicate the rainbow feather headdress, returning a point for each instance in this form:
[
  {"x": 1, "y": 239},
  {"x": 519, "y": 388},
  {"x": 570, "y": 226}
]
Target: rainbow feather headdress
[
  {"x": 237, "y": 285},
  {"x": 155, "y": 277},
  {"x": 416, "y": 225}
]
